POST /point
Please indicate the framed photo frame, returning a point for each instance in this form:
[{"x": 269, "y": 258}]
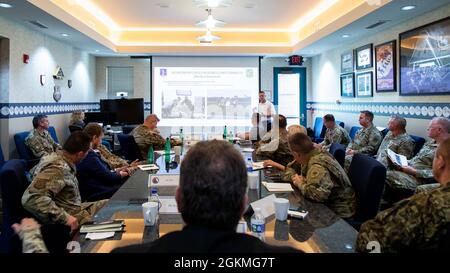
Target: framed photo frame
[
  {"x": 385, "y": 67},
  {"x": 348, "y": 85},
  {"x": 364, "y": 58},
  {"x": 347, "y": 64},
  {"x": 425, "y": 60},
  {"x": 364, "y": 84}
]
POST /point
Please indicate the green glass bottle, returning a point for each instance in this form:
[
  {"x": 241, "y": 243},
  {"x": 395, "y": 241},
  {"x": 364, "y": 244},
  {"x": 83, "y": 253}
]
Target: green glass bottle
[
  {"x": 150, "y": 155},
  {"x": 167, "y": 147},
  {"x": 224, "y": 136},
  {"x": 230, "y": 137}
]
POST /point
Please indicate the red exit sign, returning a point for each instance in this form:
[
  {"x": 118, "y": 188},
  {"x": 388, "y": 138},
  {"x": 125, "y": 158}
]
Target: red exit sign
[{"x": 295, "y": 60}]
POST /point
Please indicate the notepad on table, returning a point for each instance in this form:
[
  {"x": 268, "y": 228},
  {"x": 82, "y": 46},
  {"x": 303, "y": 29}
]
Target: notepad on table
[
  {"x": 108, "y": 226},
  {"x": 278, "y": 187},
  {"x": 148, "y": 167}
]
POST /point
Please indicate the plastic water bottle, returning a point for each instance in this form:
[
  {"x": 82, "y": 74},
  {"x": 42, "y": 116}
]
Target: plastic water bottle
[
  {"x": 249, "y": 164},
  {"x": 154, "y": 197},
  {"x": 230, "y": 137},
  {"x": 224, "y": 136},
  {"x": 150, "y": 155},
  {"x": 258, "y": 225}
]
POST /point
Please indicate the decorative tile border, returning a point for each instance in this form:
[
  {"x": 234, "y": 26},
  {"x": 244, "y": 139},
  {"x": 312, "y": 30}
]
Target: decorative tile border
[
  {"x": 20, "y": 110},
  {"x": 405, "y": 109}
]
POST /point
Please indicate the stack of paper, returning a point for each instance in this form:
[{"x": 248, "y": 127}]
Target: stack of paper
[
  {"x": 278, "y": 187},
  {"x": 398, "y": 159},
  {"x": 109, "y": 226},
  {"x": 148, "y": 167},
  {"x": 258, "y": 165}
]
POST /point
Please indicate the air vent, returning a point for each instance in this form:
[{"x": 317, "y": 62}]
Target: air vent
[
  {"x": 377, "y": 24},
  {"x": 38, "y": 24}
]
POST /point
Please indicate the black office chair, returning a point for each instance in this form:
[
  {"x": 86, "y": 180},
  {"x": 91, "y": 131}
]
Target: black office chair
[
  {"x": 338, "y": 151},
  {"x": 126, "y": 129},
  {"x": 367, "y": 176},
  {"x": 13, "y": 183},
  {"x": 130, "y": 150}
]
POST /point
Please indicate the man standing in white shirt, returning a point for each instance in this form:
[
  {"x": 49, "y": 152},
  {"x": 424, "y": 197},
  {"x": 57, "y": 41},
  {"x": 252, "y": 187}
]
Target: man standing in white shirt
[{"x": 266, "y": 110}]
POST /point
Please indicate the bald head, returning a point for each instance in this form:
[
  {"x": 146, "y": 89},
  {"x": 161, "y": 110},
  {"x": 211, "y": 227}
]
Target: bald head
[
  {"x": 439, "y": 129},
  {"x": 151, "y": 121}
]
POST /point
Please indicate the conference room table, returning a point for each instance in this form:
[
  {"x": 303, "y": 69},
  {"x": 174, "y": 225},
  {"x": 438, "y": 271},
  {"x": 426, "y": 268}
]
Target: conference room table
[{"x": 321, "y": 231}]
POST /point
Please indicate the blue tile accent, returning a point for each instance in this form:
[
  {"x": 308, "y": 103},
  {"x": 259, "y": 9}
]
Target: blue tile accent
[
  {"x": 20, "y": 110},
  {"x": 405, "y": 109}
]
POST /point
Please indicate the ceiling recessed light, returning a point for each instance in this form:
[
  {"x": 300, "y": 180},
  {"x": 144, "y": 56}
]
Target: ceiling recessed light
[
  {"x": 65, "y": 35},
  {"x": 5, "y": 5},
  {"x": 408, "y": 7},
  {"x": 345, "y": 35}
]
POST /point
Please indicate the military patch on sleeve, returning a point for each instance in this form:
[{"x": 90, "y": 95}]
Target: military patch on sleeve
[{"x": 40, "y": 182}]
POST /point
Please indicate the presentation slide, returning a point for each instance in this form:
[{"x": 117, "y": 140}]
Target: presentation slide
[{"x": 205, "y": 96}]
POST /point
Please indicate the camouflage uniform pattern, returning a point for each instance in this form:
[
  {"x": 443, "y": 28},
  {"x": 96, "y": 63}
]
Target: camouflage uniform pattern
[
  {"x": 366, "y": 141},
  {"x": 326, "y": 182},
  {"x": 416, "y": 223},
  {"x": 276, "y": 149},
  {"x": 422, "y": 162},
  {"x": 111, "y": 159},
  {"x": 402, "y": 144},
  {"x": 427, "y": 187},
  {"x": 145, "y": 137},
  {"x": 32, "y": 241},
  {"x": 291, "y": 169},
  {"x": 336, "y": 135},
  {"x": 41, "y": 144},
  {"x": 53, "y": 194}
]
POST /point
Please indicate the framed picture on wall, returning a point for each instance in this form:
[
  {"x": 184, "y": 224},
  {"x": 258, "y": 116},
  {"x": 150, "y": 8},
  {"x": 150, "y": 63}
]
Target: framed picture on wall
[
  {"x": 348, "y": 85},
  {"x": 364, "y": 83},
  {"x": 364, "y": 57},
  {"x": 425, "y": 59},
  {"x": 347, "y": 62},
  {"x": 385, "y": 67}
]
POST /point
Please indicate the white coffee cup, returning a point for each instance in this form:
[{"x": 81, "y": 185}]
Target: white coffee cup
[
  {"x": 177, "y": 150},
  {"x": 253, "y": 180},
  {"x": 150, "y": 213},
  {"x": 281, "y": 208}
]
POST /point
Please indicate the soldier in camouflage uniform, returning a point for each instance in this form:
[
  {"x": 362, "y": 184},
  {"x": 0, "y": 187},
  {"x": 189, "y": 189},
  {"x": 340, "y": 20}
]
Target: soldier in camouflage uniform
[
  {"x": 396, "y": 140},
  {"x": 334, "y": 134},
  {"x": 367, "y": 139},
  {"x": 147, "y": 134},
  {"x": 111, "y": 159},
  {"x": 419, "y": 169},
  {"x": 276, "y": 148},
  {"x": 39, "y": 140},
  {"x": 321, "y": 177},
  {"x": 416, "y": 223},
  {"x": 53, "y": 195},
  {"x": 30, "y": 234}
]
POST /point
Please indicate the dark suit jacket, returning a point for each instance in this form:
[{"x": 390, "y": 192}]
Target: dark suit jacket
[
  {"x": 96, "y": 180},
  {"x": 195, "y": 239}
]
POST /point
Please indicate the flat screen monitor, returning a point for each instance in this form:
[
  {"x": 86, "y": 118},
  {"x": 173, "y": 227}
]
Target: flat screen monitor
[{"x": 127, "y": 111}]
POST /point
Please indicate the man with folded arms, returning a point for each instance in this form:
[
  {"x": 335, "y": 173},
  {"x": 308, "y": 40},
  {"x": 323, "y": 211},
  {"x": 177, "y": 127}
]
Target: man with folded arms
[
  {"x": 212, "y": 199},
  {"x": 334, "y": 134},
  {"x": 417, "y": 223},
  {"x": 320, "y": 177},
  {"x": 39, "y": 140},
  {"x": 396, "y": 140},
  {"x": 366, "y": 140},
  {"x": 53, "y": 196}
]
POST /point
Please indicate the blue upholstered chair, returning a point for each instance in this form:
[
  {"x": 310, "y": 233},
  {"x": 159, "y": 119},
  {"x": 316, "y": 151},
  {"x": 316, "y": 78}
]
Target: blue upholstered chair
[
  {"x": 319, "y": 130},
  {"x": 340, "y": 123},
  {"x": 52, "y": 133},
  {"x": 130, "y": 150},
  {"x": 2, "y": 158},
  {"x": 13, "y": 183},
  {"x": 338, "y": 151},
  {"x": 22, "y": 149},
  {"x": 419, "y": 141},
  {"x": 353, "y": 131},
  {"x": 367, "y": 176}
]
